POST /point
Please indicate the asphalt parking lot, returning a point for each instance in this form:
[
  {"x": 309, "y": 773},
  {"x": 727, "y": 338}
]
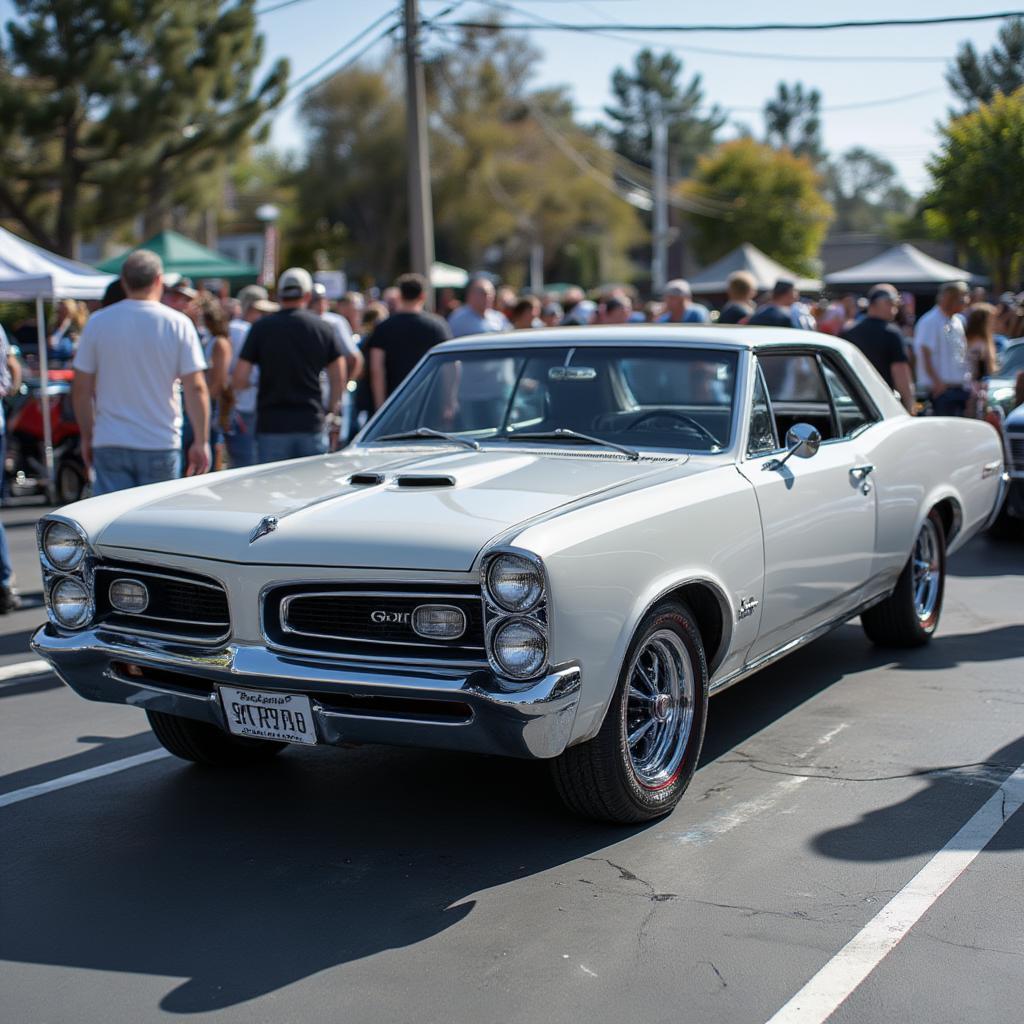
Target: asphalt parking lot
[{"x": 382, "y": 884}]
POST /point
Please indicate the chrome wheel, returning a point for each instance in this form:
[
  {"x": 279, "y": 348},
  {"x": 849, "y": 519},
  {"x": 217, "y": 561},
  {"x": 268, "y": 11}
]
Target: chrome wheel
[
  {"x": 658, "y": 709},
  {"x": 927, "y": 570}
]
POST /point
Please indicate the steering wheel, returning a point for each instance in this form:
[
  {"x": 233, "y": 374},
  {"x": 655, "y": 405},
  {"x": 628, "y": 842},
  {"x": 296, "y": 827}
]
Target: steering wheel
[{"x": 681, "y": 416}]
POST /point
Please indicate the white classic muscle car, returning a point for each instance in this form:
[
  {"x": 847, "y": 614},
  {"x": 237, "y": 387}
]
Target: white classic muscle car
[{"x": 554, "y": 545}]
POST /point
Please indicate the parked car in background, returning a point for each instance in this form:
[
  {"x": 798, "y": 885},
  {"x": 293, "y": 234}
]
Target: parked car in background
[
  {"x": 1002, "y": 385},
  {"x": 557, "y": 547},
  {"x": 1010, "y": 521}
]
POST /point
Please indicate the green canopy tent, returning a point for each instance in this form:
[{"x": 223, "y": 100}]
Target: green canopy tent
[{"x": 180, "y": 255}]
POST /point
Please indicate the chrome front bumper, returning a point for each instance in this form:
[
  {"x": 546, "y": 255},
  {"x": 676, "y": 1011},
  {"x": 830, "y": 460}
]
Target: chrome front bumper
[{"x": 424, "y": 707}]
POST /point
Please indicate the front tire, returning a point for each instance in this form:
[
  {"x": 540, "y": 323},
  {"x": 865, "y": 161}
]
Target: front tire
[
  {"x": 640, "y": 763},
  {"x": 910, "y": 615},
  {"x": 207, "y": 744}
]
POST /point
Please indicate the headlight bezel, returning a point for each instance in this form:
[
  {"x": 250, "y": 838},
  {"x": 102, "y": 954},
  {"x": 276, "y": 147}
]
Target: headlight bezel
[
  {"x": 88, "y": 602},
  {"x": 496, "y": 615},
  {"x": 534, "y": 565},
  {"x": 43, "y": 530},
  {"x": 507, "y": 622}
]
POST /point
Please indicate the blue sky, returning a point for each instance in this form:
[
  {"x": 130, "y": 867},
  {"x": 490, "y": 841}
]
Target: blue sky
[{"x": 903, "y": 130}]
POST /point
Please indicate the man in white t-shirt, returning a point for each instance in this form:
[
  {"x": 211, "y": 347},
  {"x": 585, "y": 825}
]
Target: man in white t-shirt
[
  {"x": 129, "y": 357},
  {"x": 240, "y": 439},
  {"x": 940, "y": 349}
]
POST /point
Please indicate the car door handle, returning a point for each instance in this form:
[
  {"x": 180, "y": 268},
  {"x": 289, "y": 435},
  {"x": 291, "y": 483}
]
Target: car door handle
[{"x": 862, "y": 472}]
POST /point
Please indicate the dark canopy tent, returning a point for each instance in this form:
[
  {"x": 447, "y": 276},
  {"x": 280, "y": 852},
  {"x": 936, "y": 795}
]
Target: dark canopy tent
[
  {"x": 713, "y": 280},
  {"x": 180, "y": 255},
  {"x": 904, "y": 266}
]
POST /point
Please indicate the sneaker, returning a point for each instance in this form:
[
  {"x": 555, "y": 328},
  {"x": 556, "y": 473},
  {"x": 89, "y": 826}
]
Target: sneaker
[{"x": 9, "y": 600}]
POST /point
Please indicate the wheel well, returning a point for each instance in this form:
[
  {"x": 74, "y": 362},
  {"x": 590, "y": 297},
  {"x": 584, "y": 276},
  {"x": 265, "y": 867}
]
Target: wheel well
[
  {"x": 706, "y": 606},
  {"x": 951, "y": 516}
]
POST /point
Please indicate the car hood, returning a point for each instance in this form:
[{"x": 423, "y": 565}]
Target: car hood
[{"x": 432, "y": 510}]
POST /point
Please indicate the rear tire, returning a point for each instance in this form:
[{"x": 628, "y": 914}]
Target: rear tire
[
  {"x": 207, "y": 744},
  {"x": 660, "y": 705},
  {"x": 910, "y": 615}
]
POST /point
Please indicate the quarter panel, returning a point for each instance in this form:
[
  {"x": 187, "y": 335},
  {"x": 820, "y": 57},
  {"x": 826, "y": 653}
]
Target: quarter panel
[{"x": 610, "y": 562}]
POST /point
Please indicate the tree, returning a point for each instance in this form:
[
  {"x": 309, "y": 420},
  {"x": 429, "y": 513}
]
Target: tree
[
  {"x": 351, "y": 189},
  {"x": 977, "y": 186},
  {"x": 793, "y": 120},
  {"x": 112, "y": 108},
  {"x": 777, "y": 203},
  {"x": 976, "y": 79},
  {"x": 865, "y": 192},
  {"x": 653, "y": 85}
]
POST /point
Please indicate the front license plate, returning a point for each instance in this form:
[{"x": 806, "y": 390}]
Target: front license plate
[{"x": 286, "y": 717}]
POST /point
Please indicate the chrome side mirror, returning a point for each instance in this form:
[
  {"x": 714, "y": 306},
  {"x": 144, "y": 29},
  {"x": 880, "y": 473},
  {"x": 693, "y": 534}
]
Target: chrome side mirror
[{"x": 802, "y": 440}]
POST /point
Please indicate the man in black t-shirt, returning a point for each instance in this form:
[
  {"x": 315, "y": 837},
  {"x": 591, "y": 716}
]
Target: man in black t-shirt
[
  {"x": 398, "y": 343},
  {"x": 292, "y": 348},
  {"x": 880, "y": 340},
  {"x": 740, "y": 306},
  {"x": 778, "y": 312}
]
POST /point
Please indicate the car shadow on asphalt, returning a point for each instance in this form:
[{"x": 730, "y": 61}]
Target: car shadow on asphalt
[
  {"x": 920, "y": 823},
  {"x": 244, "y": 883}
]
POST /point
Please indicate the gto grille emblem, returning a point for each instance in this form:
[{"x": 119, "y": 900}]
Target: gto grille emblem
[{"x": 382, "y": 616}]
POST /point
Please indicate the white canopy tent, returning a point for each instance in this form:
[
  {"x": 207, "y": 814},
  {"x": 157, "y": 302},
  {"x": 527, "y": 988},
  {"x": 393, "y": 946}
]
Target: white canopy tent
[
  {"x": 903, "y": 266},
  {"x": 714, "y": 280},
  {"x": 28, "y": 272}
]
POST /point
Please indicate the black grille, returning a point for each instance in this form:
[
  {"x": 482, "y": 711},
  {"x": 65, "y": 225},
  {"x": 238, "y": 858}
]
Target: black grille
[
  {"x": 180, "y": 604},
  {"x": 1015, "y": 445},
  {"x": 372, "y": 620}
]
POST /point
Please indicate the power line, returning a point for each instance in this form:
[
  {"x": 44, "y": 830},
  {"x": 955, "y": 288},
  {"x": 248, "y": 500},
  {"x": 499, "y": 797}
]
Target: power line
[
  {"x": 278, "y": 7},
  {"x": 337, "y": 53},
  {"x": 820, "y": 26},
  {"x": 860, "y": 105}
]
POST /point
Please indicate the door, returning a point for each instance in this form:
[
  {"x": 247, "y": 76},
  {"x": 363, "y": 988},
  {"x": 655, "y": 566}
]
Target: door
[{"x": 817, "y": 514}]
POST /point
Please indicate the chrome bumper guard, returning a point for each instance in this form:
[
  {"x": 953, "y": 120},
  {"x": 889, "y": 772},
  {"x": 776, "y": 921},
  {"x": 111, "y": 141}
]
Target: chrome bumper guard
[
  {"x": 416, "y": 706},
  {"x": 1004, "y": 486}
]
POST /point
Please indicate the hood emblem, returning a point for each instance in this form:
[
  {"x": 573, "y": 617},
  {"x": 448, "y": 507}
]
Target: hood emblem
[{"x": 268, "y": 524}]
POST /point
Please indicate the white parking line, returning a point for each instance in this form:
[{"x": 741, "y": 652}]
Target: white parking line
[
  {"x": 23, "y": 669},
  {"x": 41, "y": 788},
  {"x": 830, "y": 987}
]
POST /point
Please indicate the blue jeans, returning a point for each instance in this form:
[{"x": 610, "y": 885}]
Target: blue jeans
[
  {"x": 6, "y": 572},
  {"x": 118, "y": 468},
  {"x": 952, "y": 402},
  {"x": 278, "y": 447},
  {"x": 241, "y": 439}
]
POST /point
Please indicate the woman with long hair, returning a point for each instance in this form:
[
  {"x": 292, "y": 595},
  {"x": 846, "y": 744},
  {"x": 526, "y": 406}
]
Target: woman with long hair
[
  {"x": 981, "y": 351},
  {"x": 213, "y": 333},
  {"x": 69, "y": 317}
]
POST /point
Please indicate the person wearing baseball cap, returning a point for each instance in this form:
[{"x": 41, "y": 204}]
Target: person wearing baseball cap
[
  {"x": 679, "y": 305},
  {"x": 291, "y": 348},
  {"x": 240, "y": 436},
  {"x": 881, "y": 341}
]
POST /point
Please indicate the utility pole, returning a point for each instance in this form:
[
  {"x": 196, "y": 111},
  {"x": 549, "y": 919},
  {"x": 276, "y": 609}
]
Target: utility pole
[
  {"x": 659, "y": 254},
  {"x": 421, "y": 215}
]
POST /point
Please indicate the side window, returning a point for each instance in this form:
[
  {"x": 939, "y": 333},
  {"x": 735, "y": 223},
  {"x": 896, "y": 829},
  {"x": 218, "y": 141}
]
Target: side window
[
  {"x": 851, "y": 411},
  {"x": 797, "y": 392},
  {"x": 762, "y": 430}
]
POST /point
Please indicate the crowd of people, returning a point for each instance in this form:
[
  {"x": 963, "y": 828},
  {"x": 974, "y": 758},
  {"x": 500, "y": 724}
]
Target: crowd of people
[{"x": 171, "y": 379}]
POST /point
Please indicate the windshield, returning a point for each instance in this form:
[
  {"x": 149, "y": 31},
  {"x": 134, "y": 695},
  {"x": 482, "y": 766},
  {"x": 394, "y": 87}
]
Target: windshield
[
  {"x": 680, "y": 398},
  {"x": 1013, "y": 360}
]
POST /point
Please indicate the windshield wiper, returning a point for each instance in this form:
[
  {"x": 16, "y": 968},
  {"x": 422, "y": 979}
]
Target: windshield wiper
[
  {"x": 564, "y": 433},
  {"x": 429, "y": 432}
]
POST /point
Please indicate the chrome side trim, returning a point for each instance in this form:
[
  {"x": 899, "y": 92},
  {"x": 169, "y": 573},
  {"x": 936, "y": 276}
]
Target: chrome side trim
[
  {"x": 1004, "y": 486},
  {"x": 764, "y": 660}
]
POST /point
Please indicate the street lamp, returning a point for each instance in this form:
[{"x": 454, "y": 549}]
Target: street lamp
[{"x": 267, "y": 214}]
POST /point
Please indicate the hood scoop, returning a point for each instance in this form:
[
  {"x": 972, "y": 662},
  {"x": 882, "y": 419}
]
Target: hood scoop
[
  {"x": 421, "y": 480},
  {"x": 366, "y": 479}
]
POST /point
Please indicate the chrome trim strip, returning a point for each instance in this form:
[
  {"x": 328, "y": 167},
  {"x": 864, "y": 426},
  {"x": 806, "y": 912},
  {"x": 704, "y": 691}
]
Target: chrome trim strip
[
  {"x": 764, "y": 660},
  {"x": 203, "y": 641},
  {"x": 167, "y": 618},
  {"x": 104, "y": 567},
  {"x": 1004, "y": 486},
  {"x": 369, "y": 716}
]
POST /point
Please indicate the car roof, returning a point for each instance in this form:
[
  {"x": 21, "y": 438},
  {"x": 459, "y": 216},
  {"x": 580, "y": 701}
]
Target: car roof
[{"x": 697, "y": 335}]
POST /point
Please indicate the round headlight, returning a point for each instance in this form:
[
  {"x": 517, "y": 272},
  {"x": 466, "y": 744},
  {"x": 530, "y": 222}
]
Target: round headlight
[
  {"x": 515, "y": 583},
  {"x": 69, "y": 602},
  {"x": 63, "y": 546},
  {"x": 129, "y": 596},
  {"x": 519, "y": 648}
]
